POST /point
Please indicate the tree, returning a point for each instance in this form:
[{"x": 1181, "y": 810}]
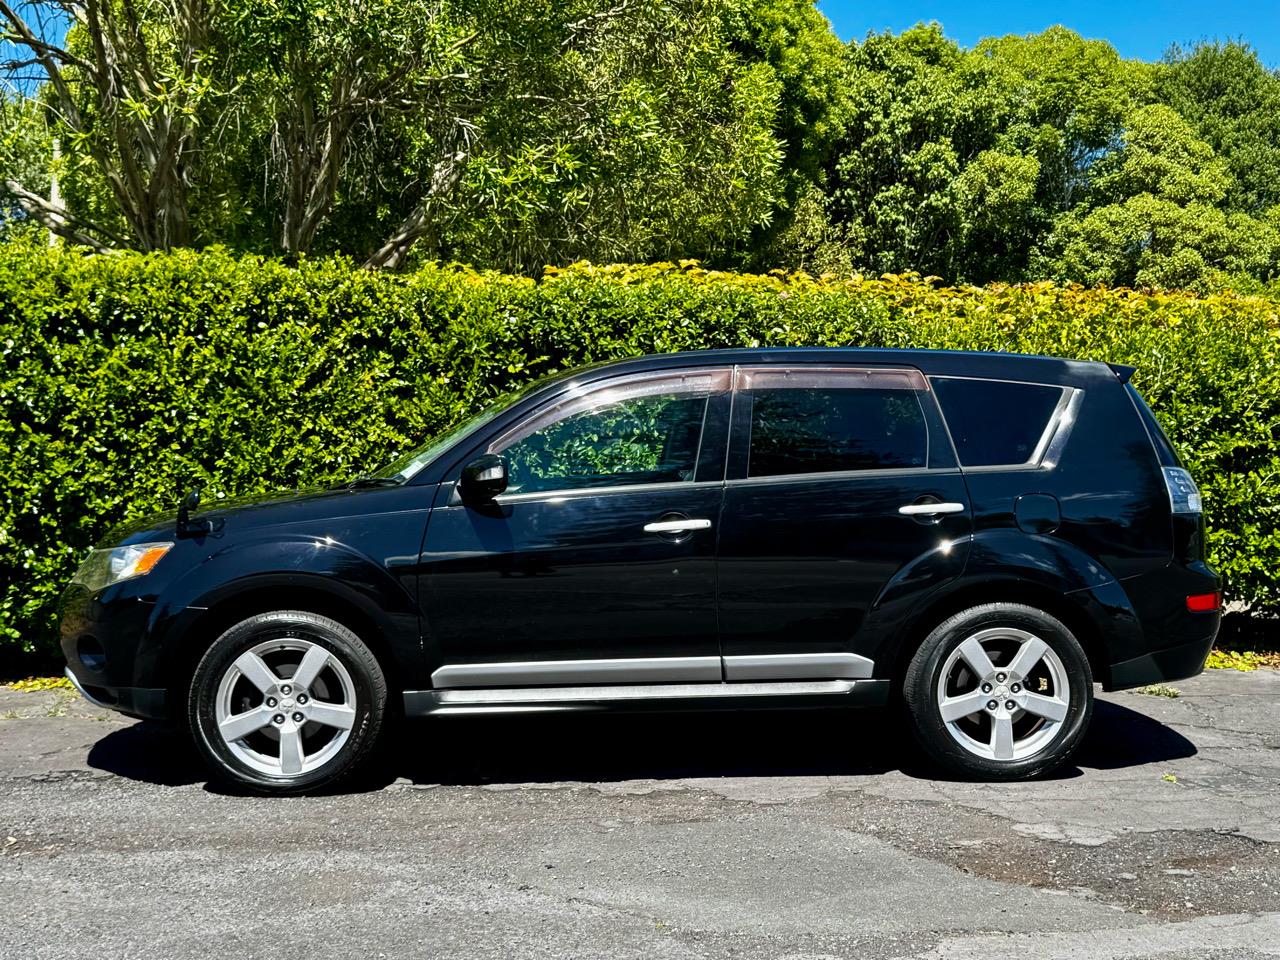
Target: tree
[
  {"x": 315, "y": 74},
  {"x": 627, "y": 133},
  {"x": 921, "y": 111},
  {"x": 125, "y": 90},
  {"x": 1153, "y": 217},
  {"x": 511, "y": 132},
  {"x": 1233, "y": 103},
  {"x": 1068, "y": 98}
]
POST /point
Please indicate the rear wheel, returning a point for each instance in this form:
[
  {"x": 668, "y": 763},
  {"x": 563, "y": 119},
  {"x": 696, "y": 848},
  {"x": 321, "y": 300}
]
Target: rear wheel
[
  {"x": 287, "y": 702},
  {"x": 1001, "y": 691}
]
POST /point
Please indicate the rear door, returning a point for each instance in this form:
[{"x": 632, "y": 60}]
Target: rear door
[{"x": 840, "y": 480}]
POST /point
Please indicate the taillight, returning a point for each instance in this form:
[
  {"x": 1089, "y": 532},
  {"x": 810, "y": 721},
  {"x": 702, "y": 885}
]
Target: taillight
[
  {"x": 1184, "y": 495},
  {"x": 1204, "y": 602}
]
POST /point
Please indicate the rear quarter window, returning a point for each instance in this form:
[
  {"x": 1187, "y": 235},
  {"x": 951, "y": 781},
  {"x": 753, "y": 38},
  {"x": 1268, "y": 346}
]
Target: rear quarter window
[{"x": 995, "y": 422}]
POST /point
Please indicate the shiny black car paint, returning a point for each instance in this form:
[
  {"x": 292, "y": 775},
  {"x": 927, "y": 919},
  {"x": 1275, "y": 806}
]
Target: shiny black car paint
[{"x": 819, "y": 563}]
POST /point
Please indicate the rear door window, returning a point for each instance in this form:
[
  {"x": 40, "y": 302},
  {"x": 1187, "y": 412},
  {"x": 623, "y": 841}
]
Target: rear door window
[
  {"x": 832, "y": 421},
  {"x": 996, "y": 422}
]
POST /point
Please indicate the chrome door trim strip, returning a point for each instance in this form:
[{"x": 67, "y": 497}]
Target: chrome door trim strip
[
  {"x": 545, "y": 673},
  {"x": 798, "y": 666},
  {"x": 665, "y": 691}
]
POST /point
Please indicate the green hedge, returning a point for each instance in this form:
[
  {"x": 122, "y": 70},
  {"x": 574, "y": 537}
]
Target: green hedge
[{"x": 127, "y": 378}]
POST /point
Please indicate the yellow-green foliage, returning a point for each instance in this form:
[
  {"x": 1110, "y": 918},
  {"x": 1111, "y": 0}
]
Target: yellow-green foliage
[
  {"x": 35, "y": 684},
  {"x": 1241, "y": 660},
  {"x": 125, "y": 378}
]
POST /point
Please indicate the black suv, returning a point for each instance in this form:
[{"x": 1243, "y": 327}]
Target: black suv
[{"x": 980, "y": 535}]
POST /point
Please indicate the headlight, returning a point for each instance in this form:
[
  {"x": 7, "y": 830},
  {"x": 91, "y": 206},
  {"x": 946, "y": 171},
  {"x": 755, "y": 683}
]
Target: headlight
[{"x": 105, "y": 567}]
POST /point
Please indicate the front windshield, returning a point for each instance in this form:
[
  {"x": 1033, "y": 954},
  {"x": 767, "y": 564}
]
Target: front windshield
[{"x": 404, "y": 467}]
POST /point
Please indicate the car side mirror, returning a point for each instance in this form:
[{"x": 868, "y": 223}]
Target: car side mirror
[{"x": 483, "y": 478}]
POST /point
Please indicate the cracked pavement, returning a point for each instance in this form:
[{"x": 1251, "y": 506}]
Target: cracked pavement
[{"x": 797, "y": 834}]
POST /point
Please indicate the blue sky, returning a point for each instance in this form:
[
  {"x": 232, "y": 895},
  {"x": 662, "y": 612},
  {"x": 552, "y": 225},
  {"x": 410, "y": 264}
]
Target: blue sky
[{"x": 1137, "y": 29}]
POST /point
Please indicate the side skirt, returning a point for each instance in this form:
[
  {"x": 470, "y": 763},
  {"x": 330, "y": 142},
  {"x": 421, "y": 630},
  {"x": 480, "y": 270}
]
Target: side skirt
[{"x": 671, "y": 696}]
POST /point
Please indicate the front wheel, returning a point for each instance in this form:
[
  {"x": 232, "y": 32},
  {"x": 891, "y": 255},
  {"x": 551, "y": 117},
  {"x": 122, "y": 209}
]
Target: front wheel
[
  {"x": 1001, "y": 691},
  {"x": 287, "y": 702}
]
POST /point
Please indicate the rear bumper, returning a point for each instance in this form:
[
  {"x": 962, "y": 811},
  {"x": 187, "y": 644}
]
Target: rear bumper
[
  {"x": 1162, "y": 666},
  {"x": 1174, "y": 640}
]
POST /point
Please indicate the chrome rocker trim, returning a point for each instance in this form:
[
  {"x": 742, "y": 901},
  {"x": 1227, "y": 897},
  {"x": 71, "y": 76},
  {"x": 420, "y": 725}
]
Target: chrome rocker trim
[{"x": 539, "y": 699}]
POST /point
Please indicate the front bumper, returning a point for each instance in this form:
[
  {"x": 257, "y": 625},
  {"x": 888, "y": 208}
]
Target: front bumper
[
  {"x": 103, "y": 644},
  {"x": 142, "y": 703}
]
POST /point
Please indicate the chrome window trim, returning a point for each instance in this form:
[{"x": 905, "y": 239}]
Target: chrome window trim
[
  {"x": 1053, "y": 438},
  {"x": 566, "y": 493},
  {"x": 819, "y": 476},
  {"x": 1061, "y": 429}
]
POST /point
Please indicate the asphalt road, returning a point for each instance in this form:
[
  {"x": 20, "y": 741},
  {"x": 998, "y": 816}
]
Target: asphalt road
[{"x": 800, "y": 835}]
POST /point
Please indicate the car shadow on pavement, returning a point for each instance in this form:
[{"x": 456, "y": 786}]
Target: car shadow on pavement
[
  {"x": 150, "y": 752},
  {"x": 606, "y": 747},
  {"x": 773, "y": 743}
]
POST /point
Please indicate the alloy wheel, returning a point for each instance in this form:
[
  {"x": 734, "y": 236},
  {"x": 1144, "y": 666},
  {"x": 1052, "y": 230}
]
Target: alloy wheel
[
  {"x": 1003, "y": 694},
  {"x": 285, "y": 707}
]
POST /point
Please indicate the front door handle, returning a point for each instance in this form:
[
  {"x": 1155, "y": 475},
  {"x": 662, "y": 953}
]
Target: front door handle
[
  {"x": 676, "y": 526},
  {"x": 929, "y": 509}
]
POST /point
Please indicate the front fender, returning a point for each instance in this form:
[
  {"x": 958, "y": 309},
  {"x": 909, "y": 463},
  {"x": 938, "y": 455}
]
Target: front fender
[{"x": 286, "y": 563}]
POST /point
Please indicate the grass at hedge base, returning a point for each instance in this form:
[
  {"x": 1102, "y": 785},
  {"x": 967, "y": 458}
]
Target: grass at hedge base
[{"x": 127, "y": 378}]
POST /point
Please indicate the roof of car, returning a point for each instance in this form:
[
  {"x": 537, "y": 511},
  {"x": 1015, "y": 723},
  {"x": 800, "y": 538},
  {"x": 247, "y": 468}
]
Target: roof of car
[{"x": 965, "y": 363}]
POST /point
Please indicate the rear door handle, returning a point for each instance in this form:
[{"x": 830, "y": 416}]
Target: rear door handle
[
  {"x": 676, "y": 526},
  {"x": 928, "y": 509}
]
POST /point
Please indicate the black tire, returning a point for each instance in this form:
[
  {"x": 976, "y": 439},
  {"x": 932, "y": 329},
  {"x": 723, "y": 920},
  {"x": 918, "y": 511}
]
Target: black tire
[
  {"x": 921, "y": 685},
  {"x": 368, "y": 690}
]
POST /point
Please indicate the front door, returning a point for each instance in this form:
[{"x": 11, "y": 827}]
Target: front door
[
  {"x": 598, "y": 563},
  {"x": 831, "y": 496}
]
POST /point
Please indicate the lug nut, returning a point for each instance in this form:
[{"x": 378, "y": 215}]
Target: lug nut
[
  {"x": 278, "y": 718},
  {"x": 271, "y": 701},
  {"x": 297, "y": 718},
  {"x": 986, "y": 688},
  {"x": 286, "y": 689},
  {"x": 1016, "y": 688},
  {"x": 1000, "y": 678},
  {"x": 991, "y": 704},
  {"x": 1010, "y": 706},
  {"x": 302, "y": 697}
]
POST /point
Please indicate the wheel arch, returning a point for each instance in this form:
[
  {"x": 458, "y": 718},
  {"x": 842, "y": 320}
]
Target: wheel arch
[
  {"x": 1073, "y": 615},
  {"x": 201, "y": 625}
]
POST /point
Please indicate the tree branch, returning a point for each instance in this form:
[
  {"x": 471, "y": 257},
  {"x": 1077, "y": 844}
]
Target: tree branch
[{"x": 59, "y": 220}]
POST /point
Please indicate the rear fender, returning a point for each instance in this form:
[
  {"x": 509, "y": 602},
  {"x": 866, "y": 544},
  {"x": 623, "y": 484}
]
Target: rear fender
[{"x": 1015, "y": 567}]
